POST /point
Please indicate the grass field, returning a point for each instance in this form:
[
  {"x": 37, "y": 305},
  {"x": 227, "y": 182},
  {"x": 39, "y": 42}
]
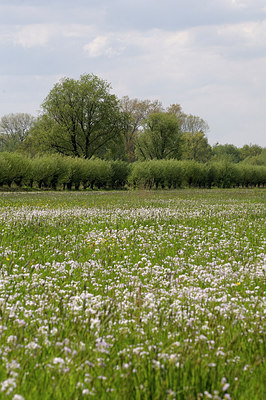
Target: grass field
[{"x": 132, "y": 295}]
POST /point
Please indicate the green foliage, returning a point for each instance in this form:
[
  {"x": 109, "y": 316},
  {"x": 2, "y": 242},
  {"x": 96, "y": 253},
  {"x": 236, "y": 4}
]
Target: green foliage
[
  {"x": 224, "y": 174},
  {"x": 226, "y": 152},
  {"x": 157, "y": 174},
  {"x": 99, "y": 174},
  {"x": 140, "y": 175},
  {"x": 148, "y": 174},
  {"x": 16, "y": 167},
  {"x": 9, "y": 143},
  {"x": 14, "y": 129},
  {"x": 174, "y": 174},
  {"x": 259, "y": 159},
  {"x": 86, "y": 116},
  {"x": 193, "y": 123},
  {"x": 119, "y": 174},
  {"x": 252, "y": 175},
  {"x": 194, "y": 174},
  {"x": 49, "y": 171},
  {"x": 160, "y": 139},
  {"x": 138, "y": 111},
  {"x": 4, "y": 167},
  {"x": 77, "y": 172},
  {"x": 248, "y": 151},
  {"x": 90, "y": 173},
  {"x": 39, "y": 139},
  {"x": 57, "y": 172},
  {"x": 249, "y": 154},
  {"x": 83, "y": 119},
  {"x": 195, "y": 147}
]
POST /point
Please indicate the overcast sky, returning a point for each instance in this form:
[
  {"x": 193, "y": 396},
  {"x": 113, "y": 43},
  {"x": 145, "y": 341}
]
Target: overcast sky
[{"x": 207, "y": 55}]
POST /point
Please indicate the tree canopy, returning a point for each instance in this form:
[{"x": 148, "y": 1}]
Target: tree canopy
[
  {"x": 14, "y": 129},
  {"x": 160, "y": 138},
  {"x": 195, "y": 147},
  {"x": 85, "y": 116},
  {"x": 138, "y": 111}
]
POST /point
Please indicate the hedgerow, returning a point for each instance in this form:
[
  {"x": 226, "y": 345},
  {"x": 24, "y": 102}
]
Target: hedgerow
[{"x": 55, "y": 172}]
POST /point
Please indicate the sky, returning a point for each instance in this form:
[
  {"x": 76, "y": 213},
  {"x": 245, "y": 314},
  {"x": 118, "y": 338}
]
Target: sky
[{"x": 209, "y": 56}]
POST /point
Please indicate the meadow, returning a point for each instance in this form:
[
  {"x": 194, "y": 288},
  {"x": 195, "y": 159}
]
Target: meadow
[{"x": 132, "y": 295}]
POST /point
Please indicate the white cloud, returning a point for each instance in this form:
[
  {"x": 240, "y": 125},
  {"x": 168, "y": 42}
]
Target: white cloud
[
  {"x": 238, "y": 3},
  {"x": 244, "y": 4},
  {"x": 248, "y": 33},
  {"x": 102, "y": 46},
  {"x": 34, "y": 35},
  {"x": 39, "y": 35},
  {"x": 155, "y": 40}
]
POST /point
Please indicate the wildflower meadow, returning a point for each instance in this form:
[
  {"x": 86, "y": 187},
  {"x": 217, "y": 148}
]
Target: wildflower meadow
[{"x": 132, "y": 295}]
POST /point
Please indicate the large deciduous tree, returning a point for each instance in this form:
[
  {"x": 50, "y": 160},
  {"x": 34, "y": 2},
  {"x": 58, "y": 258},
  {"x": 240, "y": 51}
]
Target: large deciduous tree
[
  {"x": 85, "y": 117},
  {"x": 195, "y": 144},
  {"x": 195, "y": 147},
  {"x": 193, "y": 123},
  {"x": 40, "y": 137},
  {"x": 160, "y": 138},
  {"x": 138, "y": 111},
  {"x": 14, "y": 129}
]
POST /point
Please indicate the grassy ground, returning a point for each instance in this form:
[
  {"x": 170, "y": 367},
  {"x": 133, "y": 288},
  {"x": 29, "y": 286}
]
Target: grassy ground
[{"x": 132, "y": 295}]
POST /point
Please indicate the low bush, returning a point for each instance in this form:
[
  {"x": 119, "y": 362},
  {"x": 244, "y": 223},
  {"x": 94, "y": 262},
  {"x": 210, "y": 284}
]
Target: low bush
[{"x": 14, "y": 169}]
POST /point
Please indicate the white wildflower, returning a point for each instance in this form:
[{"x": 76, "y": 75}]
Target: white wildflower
[
  {"x": 8, "y": 385},
  {"x": 226, "y": 386},
  {"x": 12, "y": 339},
  {"x": 58, "y": 360},
  {"x": 54, "y": 331},
  {"x": 17, "y": 397},
  {"x": 32, "y": 346}
]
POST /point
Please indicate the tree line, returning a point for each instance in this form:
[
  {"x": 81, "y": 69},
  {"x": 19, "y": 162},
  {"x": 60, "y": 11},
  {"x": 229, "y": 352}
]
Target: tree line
[{"x": 83, "y": 119}]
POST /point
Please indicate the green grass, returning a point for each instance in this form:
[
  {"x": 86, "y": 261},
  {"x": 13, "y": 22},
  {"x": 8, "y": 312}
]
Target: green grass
[{"x": 132, "y": 295}]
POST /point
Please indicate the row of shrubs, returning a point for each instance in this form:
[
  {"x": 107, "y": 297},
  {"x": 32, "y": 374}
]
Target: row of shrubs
[
  {"x": 175, "y": 174},
  {"x": 56, "y": 172}
]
